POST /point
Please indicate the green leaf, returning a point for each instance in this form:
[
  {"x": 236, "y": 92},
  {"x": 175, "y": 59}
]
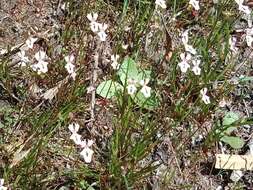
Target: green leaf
[
  {"x": 127, "y": 70},
  {"x": 147, "y": 103},
  {"x": 144, "y": 74},
  {"x": 230, "y": 118},
  {"x": 108, "y": 89},
  {"x": 234, "y": 142},
  {"x": 230, "y": 130}
]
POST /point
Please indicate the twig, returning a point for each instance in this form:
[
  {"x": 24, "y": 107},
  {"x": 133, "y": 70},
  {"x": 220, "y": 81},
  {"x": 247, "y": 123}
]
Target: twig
[
  {"x": 93, "y": 93},
  {"x": 175, "y": 157}
]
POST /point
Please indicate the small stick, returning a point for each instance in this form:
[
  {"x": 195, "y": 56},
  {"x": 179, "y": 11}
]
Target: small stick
[{"x": 93, "y": 93}]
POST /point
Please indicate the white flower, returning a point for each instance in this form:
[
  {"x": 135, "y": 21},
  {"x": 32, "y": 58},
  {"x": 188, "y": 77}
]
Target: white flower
[
  {"x": 232, "y": 44},
  {"x": 94, "y": 25},
  {"x": 242, "y": 7},
  {"x": 205, "y": 98},
  {"x": 124, "y": 46},
  {"x": 102, "y": 35},
  {"x": 40, "y": 56},
  {"x": 196, "y": 69},
  {"x": 2, "y": 187},
  {"x": 195, "y": 4},
  {"x": 76, "y": 138},
  {"x": 115, "y": 65},
  {"x": 145, "y": 90},
  {"x": 70, "y": 67},
  {"x": 188, "y": 48},
  {"x": 74, "y": 127},
  {"x": 161, "y": 3},
  {"x": 23, "y": 59},
  {"x": 87, "y": 152},
  {"x": 131, "y": 88},
  {"x": 41, "y": 66},
  {"x": 184, "y": 66},
  {"x": 69, "y": 59},
  {"x": 30, "y": 41}
]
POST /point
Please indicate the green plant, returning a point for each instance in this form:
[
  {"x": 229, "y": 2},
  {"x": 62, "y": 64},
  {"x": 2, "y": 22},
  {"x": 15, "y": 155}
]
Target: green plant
[
  {"x": 128, "y": 70},
  {"x": 228, "y": 121}
]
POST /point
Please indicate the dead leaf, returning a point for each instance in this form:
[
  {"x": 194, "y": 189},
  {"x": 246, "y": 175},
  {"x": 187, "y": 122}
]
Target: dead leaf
[
  {"x": 19, "y": 155},
  {"x": 51, "y": 93},
  {"x": 234, "y": 162}
]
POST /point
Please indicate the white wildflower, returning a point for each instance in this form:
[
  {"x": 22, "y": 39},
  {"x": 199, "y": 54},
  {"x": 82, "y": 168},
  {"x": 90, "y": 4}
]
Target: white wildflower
[
  {"x": 69, "y": 59},
  {"x": 23, "y": 59},
  {"x": 131, "y": 88},
  {"x": 205, "y": 98},
  {"x": 115, "y": 65},
  {"x": 102, "y": 35},
  {"x": 161, "y": 3},
  {"x": 30, "y": 41},
  {"x": 188, "y": 48},
  {"x": 242, "y": 7},
  {"x": 76, "y": 138},
  {"x": 195, "y": 4},
  {"x": 196, "y": 69},
  {"x": 41, "y": 66},
  {"x": 87, "y": 152},
  {"x": 145, "y": 90},
  {"x": 94, "y": 25},
  {"x": 184, "y": 66},
  {"x": 74, "y": 127},
  {"x": 2, "y": 187},
  {"x": 40, "y": 56},
  {"x": 232, "y": 44},
  {"x": 124, "y": 46},
  {"x": 70, "y": 67}
]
